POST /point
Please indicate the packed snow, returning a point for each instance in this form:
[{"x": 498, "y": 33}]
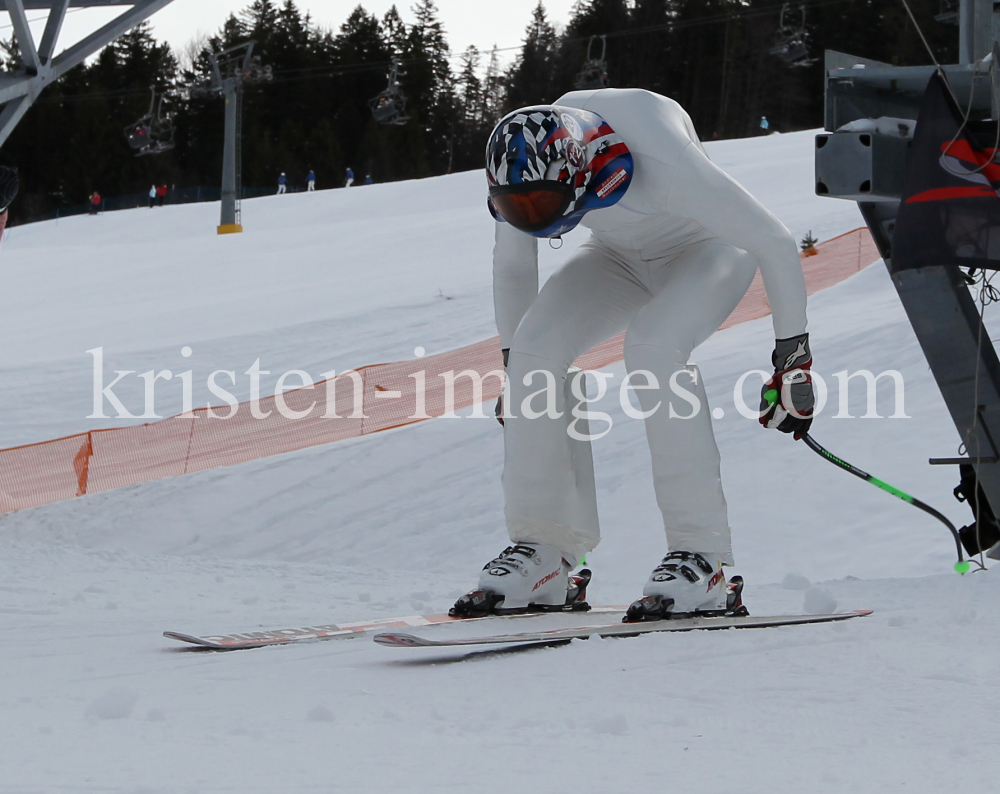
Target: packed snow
[{"x": 93, "y": 698}]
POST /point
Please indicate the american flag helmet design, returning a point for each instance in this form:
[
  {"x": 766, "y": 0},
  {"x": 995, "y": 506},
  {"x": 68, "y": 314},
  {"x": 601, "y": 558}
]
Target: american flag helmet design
[{"x": 553, "y": 143}]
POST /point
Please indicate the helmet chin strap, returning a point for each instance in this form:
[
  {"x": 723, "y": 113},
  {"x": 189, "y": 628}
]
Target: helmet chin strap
[{"x": 558, "y": 238}]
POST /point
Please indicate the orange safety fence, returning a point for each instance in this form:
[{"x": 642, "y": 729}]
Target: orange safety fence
[{"x": 353, "y": 404}]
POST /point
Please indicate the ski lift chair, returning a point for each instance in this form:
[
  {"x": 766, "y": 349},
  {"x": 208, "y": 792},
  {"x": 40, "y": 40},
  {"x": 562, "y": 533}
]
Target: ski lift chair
[
  {"x": 594, "y": 74},
  {"x": 160, "y": 140},
  {"x": 153, "y": 133},
  {"x": 794, "y": 53},
  {"x": 389, "y": 107},
  {"x": 790, "y": 42},
  {"x": 138, "y": 138}
]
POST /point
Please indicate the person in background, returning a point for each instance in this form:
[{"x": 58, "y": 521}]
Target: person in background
[
  {"x": 161, "y": 193},
  {"x": 311, "y": 180},
  {"x": 368, "y": 179},
  {"x": 95, "y": 203},
  {"x": 282, "y": 183},
  {"x": 152, "y": 195},
  {"x": 349, "y": 180},
  {"x": 8, "y": 190}
]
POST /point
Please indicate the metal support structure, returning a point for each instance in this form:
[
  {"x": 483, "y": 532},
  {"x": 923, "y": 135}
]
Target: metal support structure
[
  {"x": 19, "y": 89},
  {"x": 231, "y": 70},
  {"x": 937, "y": 299},
  {"x": 975, "y": 37},
  {"x": 230, "y": 188}
]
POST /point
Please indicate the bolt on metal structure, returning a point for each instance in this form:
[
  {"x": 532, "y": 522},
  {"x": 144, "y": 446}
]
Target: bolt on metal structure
[
  {"x": 19, "y": 88},
  {"x": 231, "y": 70}
]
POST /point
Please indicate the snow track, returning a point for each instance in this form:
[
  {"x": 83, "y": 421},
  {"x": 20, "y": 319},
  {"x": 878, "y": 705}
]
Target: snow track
[{"x": 93, "y": 699}]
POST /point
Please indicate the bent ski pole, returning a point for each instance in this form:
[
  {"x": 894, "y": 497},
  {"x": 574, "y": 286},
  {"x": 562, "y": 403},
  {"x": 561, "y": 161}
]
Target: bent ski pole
[{"x": 962, "y": 566}]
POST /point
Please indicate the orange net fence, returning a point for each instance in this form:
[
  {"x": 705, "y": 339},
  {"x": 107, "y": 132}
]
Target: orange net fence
[{"x": 353, "y": 404}]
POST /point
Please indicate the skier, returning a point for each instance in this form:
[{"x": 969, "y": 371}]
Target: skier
[
  {"x": 161, "y": 193},
  {"x": 674, "y": 245},
  {"x": 282, "y": 183},
  {"x": 95, "y": 203},
  {"x": 310, "y": 181},
  {"x": 349, "y": 177},
  {"x": 368, "y": 179},
  {"x": 764, "y": 124},
  {"x": 152, "y": 195}
]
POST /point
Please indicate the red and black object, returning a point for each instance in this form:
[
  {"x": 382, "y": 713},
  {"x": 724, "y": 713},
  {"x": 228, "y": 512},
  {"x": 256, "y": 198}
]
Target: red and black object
[
  {"x": 950, "y": 208},
  {"x": 786, "y": 399}
]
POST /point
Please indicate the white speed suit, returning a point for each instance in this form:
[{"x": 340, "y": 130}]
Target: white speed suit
[{"x": 667, "y": 264}]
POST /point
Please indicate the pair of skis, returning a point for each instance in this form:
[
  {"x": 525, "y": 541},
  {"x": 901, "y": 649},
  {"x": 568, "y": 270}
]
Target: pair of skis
[{"x": 381, "y": 631}]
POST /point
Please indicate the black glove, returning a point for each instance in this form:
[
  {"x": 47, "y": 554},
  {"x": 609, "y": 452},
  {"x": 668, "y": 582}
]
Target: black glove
[
  {"x": 499, "y": 409},
  {"x": 786, "y": 400},
  {"x": 8, "y": 186}
]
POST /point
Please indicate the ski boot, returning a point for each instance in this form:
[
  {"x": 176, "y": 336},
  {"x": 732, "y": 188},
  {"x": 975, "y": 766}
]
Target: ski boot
[
  {"x": 525, "y": 577},
  {"x": 685, "y": 584}
]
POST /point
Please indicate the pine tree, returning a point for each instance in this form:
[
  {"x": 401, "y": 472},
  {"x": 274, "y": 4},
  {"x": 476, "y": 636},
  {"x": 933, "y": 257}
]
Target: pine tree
[
  {"x": 360, "y": 41},
  {"x": 429, "y": 86},
  {"x": 394, "y": 31},
  {"x": 530, "y": 81},
  {"x": 469, "y": 133},
  {"x": 259, "y": 21}
]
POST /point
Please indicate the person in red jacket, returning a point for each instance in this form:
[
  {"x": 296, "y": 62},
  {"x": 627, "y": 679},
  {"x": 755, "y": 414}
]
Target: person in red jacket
[{"x": 161, "y": 191}]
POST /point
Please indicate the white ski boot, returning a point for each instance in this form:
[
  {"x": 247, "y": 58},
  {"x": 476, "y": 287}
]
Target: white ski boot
[
  {"x": 525, "y": 577},
  {"x": 685, "y": 583}
]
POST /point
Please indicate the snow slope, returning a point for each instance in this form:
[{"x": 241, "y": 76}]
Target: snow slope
[{"x": 93, "y": 699}]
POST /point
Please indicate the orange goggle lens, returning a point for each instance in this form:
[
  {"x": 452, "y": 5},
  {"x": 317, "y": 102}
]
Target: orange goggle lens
[{"x": 531, "y": 207}]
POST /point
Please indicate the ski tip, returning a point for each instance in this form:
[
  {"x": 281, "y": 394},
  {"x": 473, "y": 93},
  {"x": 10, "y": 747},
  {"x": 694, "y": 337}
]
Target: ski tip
[
  {"x": 191, "y": 640},
  {"x": 400, "y": 641}
]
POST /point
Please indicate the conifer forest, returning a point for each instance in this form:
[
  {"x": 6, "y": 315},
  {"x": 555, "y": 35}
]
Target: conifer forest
[{"x": 716, "y": 57}]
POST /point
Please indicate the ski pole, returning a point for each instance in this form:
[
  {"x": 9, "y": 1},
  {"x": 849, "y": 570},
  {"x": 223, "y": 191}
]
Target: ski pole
[{"x": 962, "y": 566}]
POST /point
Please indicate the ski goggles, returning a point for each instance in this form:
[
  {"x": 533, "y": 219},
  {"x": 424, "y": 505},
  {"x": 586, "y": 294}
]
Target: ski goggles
[{"x": 531, "y": 206}]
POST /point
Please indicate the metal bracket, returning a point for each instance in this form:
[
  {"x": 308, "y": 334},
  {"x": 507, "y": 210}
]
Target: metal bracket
[
  {"x": 995, "y": 458},
  {"x": 18, "y": 89}
]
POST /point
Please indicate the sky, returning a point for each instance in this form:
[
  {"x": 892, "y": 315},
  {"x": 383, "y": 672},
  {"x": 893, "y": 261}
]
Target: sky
[{"x": 483, "y": 23}]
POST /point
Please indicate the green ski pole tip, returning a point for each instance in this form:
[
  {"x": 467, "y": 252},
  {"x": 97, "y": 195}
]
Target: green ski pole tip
[
  {"x": 962, "y": 566},
  {"x": 771, "y": 396}
]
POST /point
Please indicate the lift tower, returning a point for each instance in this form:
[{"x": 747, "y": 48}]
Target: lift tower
[{"x": 231, "y": 70}]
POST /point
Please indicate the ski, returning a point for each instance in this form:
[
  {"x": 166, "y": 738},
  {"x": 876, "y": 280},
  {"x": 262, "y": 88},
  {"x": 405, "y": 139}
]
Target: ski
[
  {"x": 343, "y": 631},
  {"x": 615, "y": 629}
]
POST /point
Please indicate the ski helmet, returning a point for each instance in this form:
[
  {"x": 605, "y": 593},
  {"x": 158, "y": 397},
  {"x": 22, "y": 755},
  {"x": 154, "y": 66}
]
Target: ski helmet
[{"x": 549, "y": 165}]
